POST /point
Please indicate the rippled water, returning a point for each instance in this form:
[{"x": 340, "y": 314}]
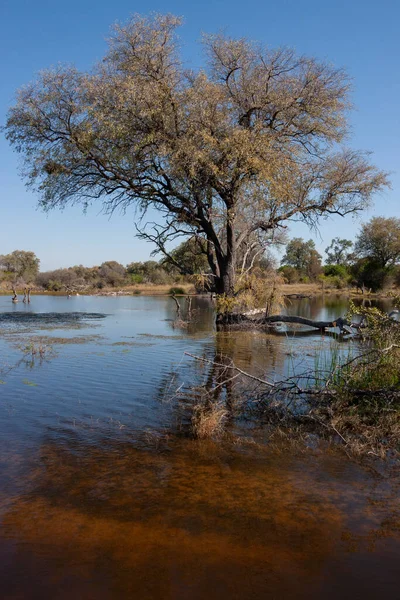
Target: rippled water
[{"x": 99, "y": 498}]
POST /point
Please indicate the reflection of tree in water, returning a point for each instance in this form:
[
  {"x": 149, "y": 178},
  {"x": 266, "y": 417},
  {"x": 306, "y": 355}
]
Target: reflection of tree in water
[
  {"x": 216, "y": 520},
  {"x": 195, "y": 388},
  {"x": 196, "y": 312}
]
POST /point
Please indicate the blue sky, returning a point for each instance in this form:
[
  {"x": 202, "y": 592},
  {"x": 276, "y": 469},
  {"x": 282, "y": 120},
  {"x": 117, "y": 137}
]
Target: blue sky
[{"x": 360, "y": 35}]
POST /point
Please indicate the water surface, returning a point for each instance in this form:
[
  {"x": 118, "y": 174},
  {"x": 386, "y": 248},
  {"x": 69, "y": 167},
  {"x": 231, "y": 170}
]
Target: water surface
[{"x": 102, "y": 497}]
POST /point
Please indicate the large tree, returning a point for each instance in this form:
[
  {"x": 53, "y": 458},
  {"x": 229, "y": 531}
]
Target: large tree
[
  {"x": 379, "y": 241},
  {"x": 22, "y": 264},
  {"x": 241, "y": 146},
  {"x": 303, "y": 257},
  {"x": 338, "y": 252}
]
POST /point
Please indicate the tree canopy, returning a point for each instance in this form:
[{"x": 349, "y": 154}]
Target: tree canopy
[
  {"x": 338, "y": 252},
  {"x": 21, "y": 264},
  {"x": 303, "y": 257},
  {"x": 239, "y": 147},
  {"x": 379, "y": 240}
]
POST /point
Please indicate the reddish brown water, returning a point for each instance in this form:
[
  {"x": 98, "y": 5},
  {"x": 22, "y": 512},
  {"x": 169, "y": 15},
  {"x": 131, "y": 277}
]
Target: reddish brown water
[{"x": 196, "y": 520}]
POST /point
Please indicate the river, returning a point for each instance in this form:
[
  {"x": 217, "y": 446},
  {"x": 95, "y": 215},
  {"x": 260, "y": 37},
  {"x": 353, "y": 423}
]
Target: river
[{"x": 102, "y": 497}]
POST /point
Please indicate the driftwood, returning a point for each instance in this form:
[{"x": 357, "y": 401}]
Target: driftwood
[
  {"x": 237, "y": 319},
  {"x": 340, "y": 322},
  {"x": 343, "y": 324}
]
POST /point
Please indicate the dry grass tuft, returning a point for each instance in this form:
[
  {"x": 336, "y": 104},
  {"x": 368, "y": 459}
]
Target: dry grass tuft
[{"x": 208, "y": 420}]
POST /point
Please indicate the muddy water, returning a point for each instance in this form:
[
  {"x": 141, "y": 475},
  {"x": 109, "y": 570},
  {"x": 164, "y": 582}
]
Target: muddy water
[{"x": 101, "y": 498}]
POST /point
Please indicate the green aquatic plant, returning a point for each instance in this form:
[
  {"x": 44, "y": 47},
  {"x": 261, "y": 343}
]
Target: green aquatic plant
[{"x": 28, "y": 382}]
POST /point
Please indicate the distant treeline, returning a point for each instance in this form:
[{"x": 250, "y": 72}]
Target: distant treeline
[
  {"x": 78, "y": 278},
  {"x": 371, "y": 262}
]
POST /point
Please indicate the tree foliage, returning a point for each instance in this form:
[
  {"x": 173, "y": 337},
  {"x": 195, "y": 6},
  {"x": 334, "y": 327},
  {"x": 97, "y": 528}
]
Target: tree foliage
[
  {"x": 189, "y": 258},
  {"x": 338, "y": 252},
  {"x": 303, "y": 257},
  {"x": 21, "y": 264},
  {"x": 238, "y": 147},
  {"x": 379, "y": 241},
  {"x": 112, "y": 273},
  {"x": 149, "y": 271}
]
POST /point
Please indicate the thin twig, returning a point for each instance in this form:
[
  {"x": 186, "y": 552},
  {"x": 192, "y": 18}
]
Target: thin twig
[{"x": 232, "y": 367}]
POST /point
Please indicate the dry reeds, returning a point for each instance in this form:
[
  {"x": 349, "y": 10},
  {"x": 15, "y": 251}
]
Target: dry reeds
[{"x": 208, "y": 420}]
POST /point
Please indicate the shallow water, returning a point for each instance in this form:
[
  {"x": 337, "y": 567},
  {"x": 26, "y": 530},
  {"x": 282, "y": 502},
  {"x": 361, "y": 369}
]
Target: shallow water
[{"x": 100, "y": 498}]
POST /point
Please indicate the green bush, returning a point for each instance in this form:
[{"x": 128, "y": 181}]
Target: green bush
[
  {"x": 54, "y": 286},
  {"x": 372, "y": 275},
  {"x": 333, "y": 282},
  {"x": 177, "y": 291},
  {"x": 336, "y": 271}
]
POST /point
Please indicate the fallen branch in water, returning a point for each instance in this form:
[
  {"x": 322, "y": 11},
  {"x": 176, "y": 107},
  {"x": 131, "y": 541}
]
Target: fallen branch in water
[
  {"x": 243, "y": 319},
  {"x": 340, "y": 322}
]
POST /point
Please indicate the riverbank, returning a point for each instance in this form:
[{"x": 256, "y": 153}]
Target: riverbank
[
  {"x": 288, "y": 289},
  {"x": 132, "y": 290}
]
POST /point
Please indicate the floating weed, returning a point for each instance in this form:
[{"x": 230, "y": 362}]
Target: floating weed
[
  {"x": 139, "y": 344},
  {"x": 30, "y": 383},
  {"x": 162, "y": 337},
  {"x": 81, "y": 339},
  {"x": 2, "y": 382}
]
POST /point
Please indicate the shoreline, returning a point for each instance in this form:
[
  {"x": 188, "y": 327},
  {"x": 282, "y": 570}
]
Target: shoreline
[{"x": 296, "y": 290}]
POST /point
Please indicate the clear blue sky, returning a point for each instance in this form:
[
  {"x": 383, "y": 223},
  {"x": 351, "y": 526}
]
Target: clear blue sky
[{"x": 360, "y": 35}]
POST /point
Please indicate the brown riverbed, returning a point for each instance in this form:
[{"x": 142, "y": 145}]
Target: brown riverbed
[{"x": 172, "y": 518}]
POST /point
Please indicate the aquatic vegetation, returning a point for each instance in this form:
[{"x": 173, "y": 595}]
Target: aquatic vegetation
[
  {"x": 54, "y": 318},
  {"x": 133, "y": 344},
  {"x": 162, "y": 337},
  {"x": 28, "y": 382}
]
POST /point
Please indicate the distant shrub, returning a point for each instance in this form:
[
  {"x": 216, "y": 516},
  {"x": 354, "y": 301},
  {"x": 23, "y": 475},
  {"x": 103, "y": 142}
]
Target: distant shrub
[
  {"x": 290, "y": 274},
  {"x": 136, "y": 278},
  {"x": 333, "y": 282},
  {"x": 372, "y": 275},
  {"x": 54, "y": 286},
  {"x": 177, "y": 291},
  {"x": 336, "y": 271}
]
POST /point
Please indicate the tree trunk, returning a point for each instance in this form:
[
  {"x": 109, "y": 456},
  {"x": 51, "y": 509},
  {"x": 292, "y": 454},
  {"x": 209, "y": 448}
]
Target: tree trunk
[
  {"x": 225, "y": 286},
  {"x": 225, "y": 283}
]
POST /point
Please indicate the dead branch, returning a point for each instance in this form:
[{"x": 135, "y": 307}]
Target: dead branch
[
  {"x": 232, "y": 367},
  {"x": 178, "y": 306},
  {"x": 340, "y": 322}
]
